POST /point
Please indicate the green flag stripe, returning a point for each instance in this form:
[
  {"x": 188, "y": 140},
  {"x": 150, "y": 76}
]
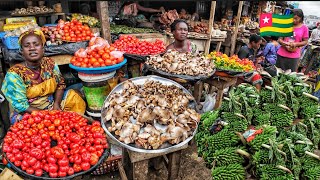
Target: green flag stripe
[
  {"x": 282, "y": 25},
  {"x": 278, "y": 34},
  {"x": 282, "y": 16}
]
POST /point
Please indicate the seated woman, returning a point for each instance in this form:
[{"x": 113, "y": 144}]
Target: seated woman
[
  {"x": 37, "y": 83},
  {"x": 179, "y": 29}
]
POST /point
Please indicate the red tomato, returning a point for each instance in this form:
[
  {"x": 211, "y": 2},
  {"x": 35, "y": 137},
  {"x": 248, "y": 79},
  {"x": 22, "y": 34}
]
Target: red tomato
[{"x": 38, "y": 172}]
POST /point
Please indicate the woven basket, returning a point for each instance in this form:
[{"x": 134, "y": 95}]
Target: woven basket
[{"x": 109, "y": 165}]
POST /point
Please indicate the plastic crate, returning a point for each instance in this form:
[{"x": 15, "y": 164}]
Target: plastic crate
[{"x": 11, "y": 42}]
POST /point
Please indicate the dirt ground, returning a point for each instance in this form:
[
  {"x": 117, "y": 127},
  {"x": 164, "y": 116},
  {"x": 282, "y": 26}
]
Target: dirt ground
[{"x": 192, "y": 168}]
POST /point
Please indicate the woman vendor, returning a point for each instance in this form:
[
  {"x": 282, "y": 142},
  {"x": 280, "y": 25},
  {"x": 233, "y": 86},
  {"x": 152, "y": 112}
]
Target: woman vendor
[
  {"x": 179, "y": 29},
  {"x": 37, "y": 83}
]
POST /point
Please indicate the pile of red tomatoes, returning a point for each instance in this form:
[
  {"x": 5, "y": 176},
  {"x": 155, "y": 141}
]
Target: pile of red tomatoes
[
  {"x": 54, "y": 142},
  {"x": 132, "y": 45},
  {"x": 97, "y": 54},
  {"x": 75, "y": 31}
]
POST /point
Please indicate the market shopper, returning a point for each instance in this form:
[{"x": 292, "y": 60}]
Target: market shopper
[
  {"x": 310, "y": 62},
  {"x": 37, "y": 83},
  {"x": 290, "y": 51},
  {"x": 179, "y": 29},
  {"x": 253, "y": 52}
]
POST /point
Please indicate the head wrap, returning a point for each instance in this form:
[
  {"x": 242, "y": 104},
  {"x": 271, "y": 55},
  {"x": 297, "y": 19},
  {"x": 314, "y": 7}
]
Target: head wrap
[{"x": 36, "y": 32}]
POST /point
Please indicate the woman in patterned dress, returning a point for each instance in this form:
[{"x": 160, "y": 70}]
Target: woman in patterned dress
[{"x": 37, "y": 83}]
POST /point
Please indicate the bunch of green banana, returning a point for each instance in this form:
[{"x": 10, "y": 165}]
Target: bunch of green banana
[
  {"x": 262, "y": 118},
  {"x": 283, "y": 119},
  {"x": 236, "y": 121},
  {"x": 229, "y": 155},
  {"x": 222, "y": 139},
  {"x": 269, "y": 132},
  {"x": 261, "y": 157},
  {"x": 122, "y": 29},
  {"x": 265, "y": 95},
  {"x": 230, "y": 172},
  {"x": 269, "y": 171},
  {"x": 312, "y": 173}
]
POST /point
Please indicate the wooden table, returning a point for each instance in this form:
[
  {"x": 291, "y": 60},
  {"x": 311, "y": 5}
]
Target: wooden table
[
  {"x": 221, "y": 83},
  {"x": 218, "y": 41},
  {"x": 137, "y": 164},
  {"x": 61, "y": 59}
]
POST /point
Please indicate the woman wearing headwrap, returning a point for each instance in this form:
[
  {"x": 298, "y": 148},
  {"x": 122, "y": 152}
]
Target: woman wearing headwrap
[{"x": 37, "y": 83}]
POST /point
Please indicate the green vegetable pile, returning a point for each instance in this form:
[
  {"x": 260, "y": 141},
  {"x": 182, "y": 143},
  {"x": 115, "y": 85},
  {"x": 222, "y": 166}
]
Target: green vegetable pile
[
  {"x": 286, "y": 120},
  {"x": 122, "y": 29}
]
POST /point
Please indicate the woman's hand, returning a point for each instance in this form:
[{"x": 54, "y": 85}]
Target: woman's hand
[{"x": 56, "y": 106}]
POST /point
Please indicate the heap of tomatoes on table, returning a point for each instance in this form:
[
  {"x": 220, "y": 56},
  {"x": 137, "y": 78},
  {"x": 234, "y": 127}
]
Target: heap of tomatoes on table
[
  {"x": 132, "y": 45},
  {"x": 54, "y": 142},
  {"x": 75, "y": 31}
]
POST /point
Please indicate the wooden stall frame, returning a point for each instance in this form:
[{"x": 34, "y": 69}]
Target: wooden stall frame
[
  {"x": 212, "y": 13},
  {"x": 102, "y": 8},
  {"x": 234, "y": 37}
]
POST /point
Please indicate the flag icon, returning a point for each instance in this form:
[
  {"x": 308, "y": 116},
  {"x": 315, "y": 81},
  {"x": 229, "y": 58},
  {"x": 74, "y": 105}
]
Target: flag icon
[{"x": 276, "y": 25}]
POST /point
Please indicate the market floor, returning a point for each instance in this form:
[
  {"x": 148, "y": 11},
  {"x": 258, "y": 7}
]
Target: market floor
[{"x": 192, "y": 168}]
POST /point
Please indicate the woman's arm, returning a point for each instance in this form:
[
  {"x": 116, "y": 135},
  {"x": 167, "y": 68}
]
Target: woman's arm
[
  {"x": 282, "y": 42},
  {"x": 149, "y": 10},
  {"x": 57, "y": 99}
]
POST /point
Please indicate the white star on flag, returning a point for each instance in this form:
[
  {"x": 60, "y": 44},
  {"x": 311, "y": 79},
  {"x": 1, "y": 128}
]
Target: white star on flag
[{"x": 265, "y": 20}]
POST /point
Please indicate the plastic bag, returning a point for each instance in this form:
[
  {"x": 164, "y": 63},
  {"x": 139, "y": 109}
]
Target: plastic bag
[
  {"x": 81, "y": 53},
  {"x": 98, "y": 42},
  {"x": 116, "y": 54},
  {"x": 209, "y": 102}
]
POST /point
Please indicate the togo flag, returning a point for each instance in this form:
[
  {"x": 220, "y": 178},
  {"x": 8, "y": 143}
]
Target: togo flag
[{"x": 276, "y": 25}]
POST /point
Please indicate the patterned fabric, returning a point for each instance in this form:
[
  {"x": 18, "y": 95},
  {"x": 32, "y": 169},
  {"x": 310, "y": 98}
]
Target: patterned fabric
[
  {"x": 24, "y": 87},
  {"x": 311, "y": 54},
  {"x": 37, "y": 32}
]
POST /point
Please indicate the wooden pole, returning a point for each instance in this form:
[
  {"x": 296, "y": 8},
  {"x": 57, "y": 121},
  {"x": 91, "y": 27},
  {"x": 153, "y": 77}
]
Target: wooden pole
[
  {"x": 102, "y": 8},
  {"x": 235, "y": 34},
  {"x": 211, "y": 20}
]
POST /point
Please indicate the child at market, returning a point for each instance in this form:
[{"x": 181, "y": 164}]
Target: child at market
[{"x": 270, "y": 51}]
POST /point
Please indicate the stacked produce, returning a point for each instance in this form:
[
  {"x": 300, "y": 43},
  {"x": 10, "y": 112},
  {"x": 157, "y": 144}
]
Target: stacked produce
[
  {"x": 32, "y": 11},
  {"x": 122, "y": 29},
  {"x": 73, "y": 31},
  {"x": 168, "y": 17},
  {"x": 151, "y": 116},
  {"x": 18, "y": 31},
  {"x": 97, "y": 54},
  {"x": 54, "y": 143},
  {"x": 201, "y": 27},
  {"x": 175, "y": 62},
  {"x": 132, "y": 45},
  {"x": 277, "y": 129},
  {"x": 233, "y": 63},
  {"x": 85, "y": 19}
]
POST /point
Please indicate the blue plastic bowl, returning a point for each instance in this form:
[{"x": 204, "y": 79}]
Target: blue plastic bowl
[{"x": 99, "y": 70}]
